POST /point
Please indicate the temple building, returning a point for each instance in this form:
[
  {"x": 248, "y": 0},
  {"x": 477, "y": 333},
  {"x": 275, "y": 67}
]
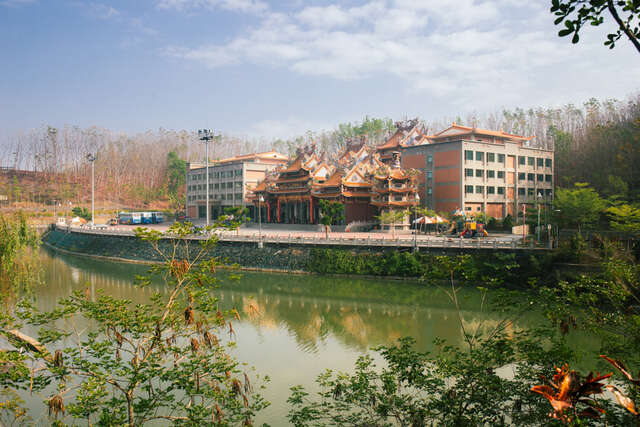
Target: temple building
[{"x": 460, "y": 168}]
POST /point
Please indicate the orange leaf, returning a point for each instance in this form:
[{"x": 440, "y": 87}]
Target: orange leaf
[{"x": 623, "y": 400}]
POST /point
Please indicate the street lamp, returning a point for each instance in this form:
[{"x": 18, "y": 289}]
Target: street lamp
[
  {"x": 92, "y": 158},
  {"x": 206, "y": 135},
  {"x": 260, "y": 201},
  {"x": 415, "y": 214},
  {"x": 538, "y": 229}
]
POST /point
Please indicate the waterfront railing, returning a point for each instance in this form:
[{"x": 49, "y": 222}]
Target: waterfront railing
[{"x": 319, "y": 239}]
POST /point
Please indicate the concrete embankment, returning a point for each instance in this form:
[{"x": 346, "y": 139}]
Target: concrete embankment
[{"x": 292, "y": 257}]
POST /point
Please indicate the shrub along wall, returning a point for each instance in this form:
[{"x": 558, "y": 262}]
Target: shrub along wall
[{"x": 489, "y": 267}]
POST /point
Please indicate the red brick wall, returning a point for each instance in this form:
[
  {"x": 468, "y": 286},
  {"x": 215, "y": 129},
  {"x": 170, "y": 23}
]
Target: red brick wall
[
  {"x": 447, "y": 158},
  {"x": 447, "y": 175},
  {"x": 446, "y": 192},
  {"x": 494, "y": 210},
  {"x": 193, "y": 212},
  {"x": 446, "y": 206},
  {"x": 417, "y": 161}
]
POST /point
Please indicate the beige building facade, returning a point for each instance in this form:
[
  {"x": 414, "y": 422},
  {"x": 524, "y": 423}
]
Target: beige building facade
[
  {"x": 477, "y": 170},
  {"x": 229, "y": 181}
]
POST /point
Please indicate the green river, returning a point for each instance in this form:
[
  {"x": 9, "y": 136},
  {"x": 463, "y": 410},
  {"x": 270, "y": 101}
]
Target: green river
[{"x": 304, "y": 324}]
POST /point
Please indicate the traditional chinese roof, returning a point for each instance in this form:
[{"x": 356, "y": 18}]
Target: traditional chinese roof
[
  {"x": 456, "y": 130},
  {"x": 267, "y": 155}
]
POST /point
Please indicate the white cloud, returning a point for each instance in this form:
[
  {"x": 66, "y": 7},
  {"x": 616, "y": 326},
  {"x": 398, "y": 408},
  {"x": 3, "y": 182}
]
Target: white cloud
[
  {"x": 247, "y": 6},
  {"x": 496, "y": 52}
]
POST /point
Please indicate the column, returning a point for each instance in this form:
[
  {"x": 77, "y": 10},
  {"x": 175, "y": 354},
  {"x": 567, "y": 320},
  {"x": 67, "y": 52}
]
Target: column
[{"x": 310, "y": 210}]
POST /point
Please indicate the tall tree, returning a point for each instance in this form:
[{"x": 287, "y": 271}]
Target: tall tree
[{"x": 580, "y": 206}]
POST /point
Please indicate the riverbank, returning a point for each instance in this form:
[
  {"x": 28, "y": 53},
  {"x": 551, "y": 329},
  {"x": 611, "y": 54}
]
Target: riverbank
[{"x": 507, "y": 266}]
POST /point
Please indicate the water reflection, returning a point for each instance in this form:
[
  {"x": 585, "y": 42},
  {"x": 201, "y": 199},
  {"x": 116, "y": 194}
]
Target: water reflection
[
  {"x": 358, "y": 313},
  {"x": 293, "y": 327}
]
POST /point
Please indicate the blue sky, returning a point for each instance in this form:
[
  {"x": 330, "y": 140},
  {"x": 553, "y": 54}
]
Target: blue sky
[{"x": 277, "y": 68}]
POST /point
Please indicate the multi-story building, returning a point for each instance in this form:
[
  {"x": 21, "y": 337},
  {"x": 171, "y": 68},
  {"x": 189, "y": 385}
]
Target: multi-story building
[
  {"x": 229, "y": 181},
  {"x": 478, "y": 170}
]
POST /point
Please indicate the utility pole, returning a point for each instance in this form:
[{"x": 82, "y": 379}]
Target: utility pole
[
  {"x": 92, "y": 158},
  {"x": 206, "y": 135}
]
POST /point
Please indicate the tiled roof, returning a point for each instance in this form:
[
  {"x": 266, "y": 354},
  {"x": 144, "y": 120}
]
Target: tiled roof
[{"x": 472, "y": 130}]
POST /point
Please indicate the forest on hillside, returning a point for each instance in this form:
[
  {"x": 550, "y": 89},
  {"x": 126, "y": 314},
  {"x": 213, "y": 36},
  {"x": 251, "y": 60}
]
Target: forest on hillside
[{"x": 597, "y": 142}]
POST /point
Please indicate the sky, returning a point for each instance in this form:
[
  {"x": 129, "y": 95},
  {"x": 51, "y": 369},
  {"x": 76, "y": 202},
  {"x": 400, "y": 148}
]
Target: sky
[{"x": 270, "y": 69}]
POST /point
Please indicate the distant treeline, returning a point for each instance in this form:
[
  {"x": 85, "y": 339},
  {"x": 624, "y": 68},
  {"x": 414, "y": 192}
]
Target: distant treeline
[{"x": 598, "y": 143}]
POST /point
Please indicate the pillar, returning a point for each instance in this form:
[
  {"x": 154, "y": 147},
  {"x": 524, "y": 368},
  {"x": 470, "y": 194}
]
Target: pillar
[
  {"x": 278, "y": 207},
  {"x": 310, "y": 210}
]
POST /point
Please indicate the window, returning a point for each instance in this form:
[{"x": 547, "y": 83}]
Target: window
[
  {"x": 479, "y": 189},
  {"x": 238, "y": 172},
  {"x": 547, "y": 162},
  {"x": 429, "y": 190},
  {"x": 199, "y": 187},
  {"x": 223, "y": 185},
  {"x": 468, "y": 189},
  {"x": 540, "y": 162},
  {"x": 479, "y": 173},
  {"x": 238, "y": 196},
  {"x": 522, "y": 176},
  {"x": 547, "y": 178},
  {"x": 500, "y": 158},
  {"x": 468, "y": 155},
  {"x": 238, "y": 185},
  {"x": 491, "y": 174},
  {"x": 429, "y": 175},
  {"x": 216, "y": 174},
  {"x": 501, "y": 174},
  {"x": 210, "y": 186},
  {"x": 223, "y": 197},
  {"x": 500, "y": 190},
  {"x": 468, "y": 208},
  {"x": 397, "y": 198},
  {"x": 548, "y": 192},
  {"x": 531, "y": 177},
  {"x": 530, "y": 192},
  {"x": 540, "y": 177},
  {"x": 491, "y": 157},
  {"x": 521, "y": 191},
  {"x": 210, "y": 196},
  {"x": 468, "y": 172},
  {"x": 530, "y": 161},
  {"x": 479, "y": 156},
  {"x": 491, "y": 190},
  {"x": 521, "y": 160},
  {"x": 216, "y": 186},
  {"x": 429, "y": 158},
  {"x": 215, "y": 196}
]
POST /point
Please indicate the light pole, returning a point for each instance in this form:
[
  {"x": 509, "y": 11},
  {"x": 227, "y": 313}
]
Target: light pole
[
  {"x": 206, "y": 135},
  {"x": 92, "y": 158},
  {"x": 260, "y": 201},
  {"x": 415, "y": 214},
  {"x": 538, "y": 229}
]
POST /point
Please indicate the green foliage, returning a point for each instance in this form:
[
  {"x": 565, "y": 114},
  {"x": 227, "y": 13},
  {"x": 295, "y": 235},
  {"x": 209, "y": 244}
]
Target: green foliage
[
  {"x": 578, "y": 207},
  {"x": 507, "y": 222},
  {"x": 577, "y": 13},
  {"x": 18, "y": 269},
  {"x": 625, "y": 218},
  {"x": 162, "y": 361},
  {"x": 176, "y": 173},
  {"x": 451, "y": 387},
  {"x": 81, "y": 212}
]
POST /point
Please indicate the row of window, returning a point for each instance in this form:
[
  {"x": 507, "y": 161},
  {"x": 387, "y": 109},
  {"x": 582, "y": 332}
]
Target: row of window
[
  {"x": 534, "y": 177},
  {"x": 236, "y": 196},
  {"x": 522, "y": 160},
  {"x": 479, "y": 173},
  {"x": 222, "y": 185},
  {"x": 479, "y": 189},
  {"x": 220, "y": 174}
]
